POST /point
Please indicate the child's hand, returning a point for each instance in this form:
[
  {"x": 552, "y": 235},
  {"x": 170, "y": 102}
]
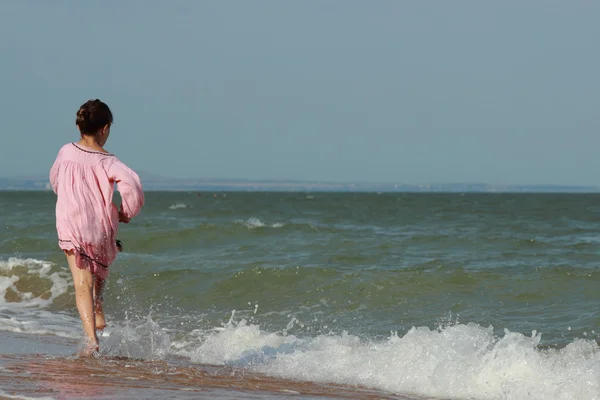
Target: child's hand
[{"x": 123, "y": 218}]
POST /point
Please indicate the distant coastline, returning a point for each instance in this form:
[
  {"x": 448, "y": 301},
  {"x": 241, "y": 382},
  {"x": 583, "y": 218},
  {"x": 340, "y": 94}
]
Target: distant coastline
[{"x": 156, "y": 183}]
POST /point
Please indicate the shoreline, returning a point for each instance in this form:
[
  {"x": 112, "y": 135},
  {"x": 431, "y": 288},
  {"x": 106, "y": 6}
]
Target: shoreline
[{"x": 45, "y": 367}]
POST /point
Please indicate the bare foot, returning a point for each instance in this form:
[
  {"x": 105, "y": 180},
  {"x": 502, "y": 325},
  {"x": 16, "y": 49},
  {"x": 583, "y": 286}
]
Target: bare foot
[
  {"x": 89, "y": 348},
  {"x": 99, "y": 313}
]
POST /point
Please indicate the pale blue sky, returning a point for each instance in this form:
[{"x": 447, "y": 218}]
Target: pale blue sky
[{"x": 340, "y": 90}]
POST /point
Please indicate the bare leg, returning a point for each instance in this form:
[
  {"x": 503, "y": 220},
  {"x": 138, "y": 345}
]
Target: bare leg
[
  {"x": 82, "y": 280},
  {"x": 98, "y": 311}
]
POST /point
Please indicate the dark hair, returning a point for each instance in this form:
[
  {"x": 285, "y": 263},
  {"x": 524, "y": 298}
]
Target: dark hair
[{"x": 92, "y": 116}]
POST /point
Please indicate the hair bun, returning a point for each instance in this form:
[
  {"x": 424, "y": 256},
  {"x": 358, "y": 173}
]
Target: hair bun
[
  {"x": 92, "y": 116},
  {"x": 83, "y": 113}
]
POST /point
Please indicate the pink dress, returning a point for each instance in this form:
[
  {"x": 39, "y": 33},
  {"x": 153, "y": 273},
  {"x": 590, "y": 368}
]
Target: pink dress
[{"x": 87, "y": 221}]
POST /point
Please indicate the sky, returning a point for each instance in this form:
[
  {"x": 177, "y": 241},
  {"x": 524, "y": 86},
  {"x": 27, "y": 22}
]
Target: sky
[{"x": 422, "y": 91}]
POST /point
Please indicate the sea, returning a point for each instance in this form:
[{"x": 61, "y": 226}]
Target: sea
[{"x": 313, "y": 295}]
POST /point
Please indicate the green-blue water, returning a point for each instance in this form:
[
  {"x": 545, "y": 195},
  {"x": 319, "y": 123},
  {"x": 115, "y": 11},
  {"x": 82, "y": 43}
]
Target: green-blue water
[{"x": 476, "y": 268}]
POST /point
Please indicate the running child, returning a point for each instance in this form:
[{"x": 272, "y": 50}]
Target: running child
[{"x": 83, "y": 178}]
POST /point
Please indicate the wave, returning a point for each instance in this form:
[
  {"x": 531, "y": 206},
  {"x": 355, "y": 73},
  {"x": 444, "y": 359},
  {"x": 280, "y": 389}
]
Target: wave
[
  {"x": 451, "y": 361},
  {"x": 462, "y": 361},
  {"x": 253, "y": 223},
  {"x": 31, "y": 283},
  {"x": 177, "y": 206},
  {"x": 30, "y": 290},
  {"x": 458, "y": 361}
]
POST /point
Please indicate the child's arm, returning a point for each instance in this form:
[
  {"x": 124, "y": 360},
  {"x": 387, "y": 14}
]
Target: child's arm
[{"x": 130, "y": 187}]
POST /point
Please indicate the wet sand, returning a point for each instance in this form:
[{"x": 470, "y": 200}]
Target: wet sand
[{"x": 45, "y": 367}]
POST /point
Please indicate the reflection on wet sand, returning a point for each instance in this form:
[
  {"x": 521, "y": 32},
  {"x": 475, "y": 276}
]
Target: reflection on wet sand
[{"x": 111, "y": 377}]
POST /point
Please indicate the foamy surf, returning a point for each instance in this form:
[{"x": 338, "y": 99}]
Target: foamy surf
[
  {"x": 463, "y": 361},
  {"x": 27, "y": 288},
  {"x": 6, "y": 395},
  {"x": 460, "y": 361},
  {"x": 178, "y": 206},
  {"x": 253, "y": 223},
  {"x": 24, "y": 282}
]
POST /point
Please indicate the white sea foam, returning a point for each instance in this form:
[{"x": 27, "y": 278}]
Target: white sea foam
[
  {"x": 41, "y": 322},
  {"x": 5, "y": 395},
  {"x": 253, "y": 223},
  {"x": 31, "y": 268},
  {"x": 460, "y": 361},
  {"x": 177, "y": 206},
  {"x": 24, "y": 312}
]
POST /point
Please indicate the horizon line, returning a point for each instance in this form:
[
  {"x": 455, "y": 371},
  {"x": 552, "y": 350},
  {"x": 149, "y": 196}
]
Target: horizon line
[{"x": 157, "y": 180}]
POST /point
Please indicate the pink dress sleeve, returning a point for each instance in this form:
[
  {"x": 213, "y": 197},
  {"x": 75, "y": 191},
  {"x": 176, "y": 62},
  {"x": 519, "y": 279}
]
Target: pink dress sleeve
[
  {"x": 54, "y": 176},
  {"x": 129, "y": 186},
  {"x": 54, "y": 172}
]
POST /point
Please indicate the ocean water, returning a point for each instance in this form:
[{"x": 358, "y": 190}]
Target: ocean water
[{"x": 441, "y": 296}]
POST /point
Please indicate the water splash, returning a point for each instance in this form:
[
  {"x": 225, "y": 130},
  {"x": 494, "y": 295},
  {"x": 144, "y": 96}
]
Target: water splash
[{"x": 139, "y": 340}]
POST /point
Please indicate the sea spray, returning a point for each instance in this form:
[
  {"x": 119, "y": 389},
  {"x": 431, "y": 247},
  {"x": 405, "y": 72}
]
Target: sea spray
[
  {"x": 137, "y": 339},
  {"x": 238, "y": 343}
]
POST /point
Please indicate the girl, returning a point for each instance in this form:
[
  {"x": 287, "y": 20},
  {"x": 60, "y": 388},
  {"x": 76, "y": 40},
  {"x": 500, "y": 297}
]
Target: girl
[{"x": 83, "y": 177}]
